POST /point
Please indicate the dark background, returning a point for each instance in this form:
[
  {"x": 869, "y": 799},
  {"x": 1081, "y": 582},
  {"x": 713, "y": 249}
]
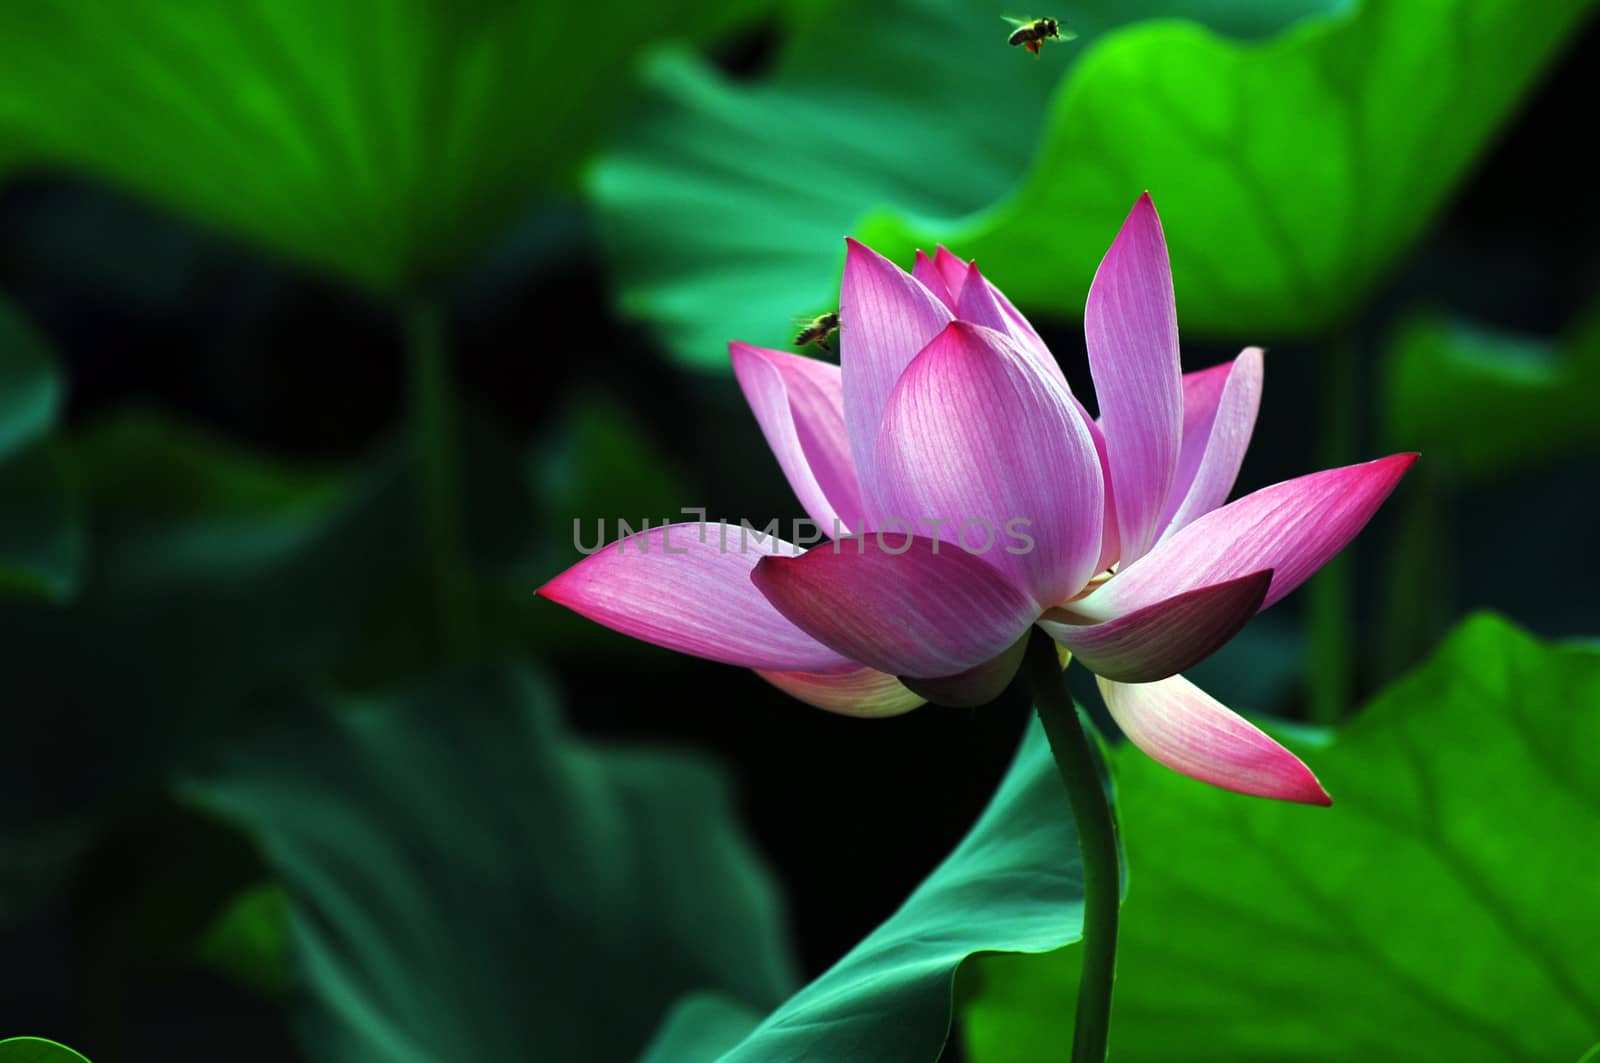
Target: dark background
[{"x": 143, "y": 309}]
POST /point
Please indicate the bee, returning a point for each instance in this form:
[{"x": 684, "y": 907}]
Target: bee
[
  {"x": 817, "y": 330},
  {"x": 1031, "y": 33}
]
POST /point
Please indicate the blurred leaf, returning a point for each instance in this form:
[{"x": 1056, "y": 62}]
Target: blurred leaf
[
  {"x": 384, "y": 140},
  {"x": 1289, "y": 173},
  {"x": 701, "y": 1026},
  {"x": 212, "y": 568},
  {"x": 213, "y": 577},
  {"x": 40, "y": 537},
  {"x": 30, "y": 387},
  {"x": 725, "y": 205},
  {"x": 41, "y": 542},
  {"x": 1260, "y": 669},
  {"x": 249, "y": 942},
  {"x": 1486, "y": 404},
  {"x": 1442, "y": 909},
  {"x": 142, "y": 470},
  {"x": 155, "y": 877},
  {"x": 37, "y": 1050},
  {"x": 597, "y": 464},
  {"x": 468, "y": 881},
  {"x": 517, "y": 506},
  {"x": 1014, "y": 884}
]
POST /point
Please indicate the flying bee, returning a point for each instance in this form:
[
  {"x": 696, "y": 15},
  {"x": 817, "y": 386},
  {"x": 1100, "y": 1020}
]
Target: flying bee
[
  {"x": 1031, "y": 33},
  {"x": 817, "y": 330}
]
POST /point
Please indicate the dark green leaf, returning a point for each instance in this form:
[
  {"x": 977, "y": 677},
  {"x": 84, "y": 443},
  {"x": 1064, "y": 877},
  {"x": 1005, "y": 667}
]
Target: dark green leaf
[
  {"x": 1014, "y": 884},
  {"x": 1443, "y": 908},
  {"x": 36, "y": 1050},
  {"x": 212, "y": 577},
  {"x": 40, "y": 536},
  {"x": 249, "y": 942},
  {"x": 701, "y": 1026},
  {"x": 30, "y": 387},
  {"x": 1288, "y": 176},
  {"x": 1289, "y": 173},
  {"x": 469, "y": 882},
  {"x": 41, "y": 541},
  {"x": 597, "y": 464},
  {"x": 382, "y": 139},
  {"x": 1486, "y": 404}
]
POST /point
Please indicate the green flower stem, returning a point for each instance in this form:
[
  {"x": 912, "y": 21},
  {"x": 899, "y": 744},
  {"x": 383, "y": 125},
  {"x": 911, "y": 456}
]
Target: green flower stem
[
  {"x": 1078, "y": 764},
  {"x": 1329, "y": 594},
  {"x": 434, "y": 439}
]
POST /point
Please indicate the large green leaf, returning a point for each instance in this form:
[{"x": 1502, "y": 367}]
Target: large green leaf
[
  {"x": 1014, "y": 884},
  {"x": 1443, "y": 908},
  {"x": 470, "y": 882},
  {"x": 1289, "y": 173},
  {"x": 41, "y": 541},
  {"x": 1485, "y": 404},
  {"x": 212, "y": 577},
  {"x": 725, "y": 204},
  {"x": 380, "y": 139},
  {"x": 37, "y": 1050}
]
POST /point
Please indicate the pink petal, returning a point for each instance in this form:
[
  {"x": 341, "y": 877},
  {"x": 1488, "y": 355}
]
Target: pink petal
[
  {"x": 925, "y": 271},
  {"x": 1110, "y": 540},
  {"x": 1021, "y": 329},
  {"x": 953, "y": 270},
  {"x": 930, "y": 611},
  {"x": 1292, "y": 527},
  {"x": 851, "y": 692},
  {"x": 975, "y": 432},
  {"x": 978, "y": 304},
  {"x": 799, "y": 404},
  {"x": 698, "y": 601},
  {"x": 1163, "y": 639},
  {"x": 1131, "y": 327},
  {"x": 885, "y": 318},
  {"x": 976, "y": 686},
  {"x": 982, "y": 304},
  {"x": 1189, "y": 731},
  {"x": 1219, "y": 414}
]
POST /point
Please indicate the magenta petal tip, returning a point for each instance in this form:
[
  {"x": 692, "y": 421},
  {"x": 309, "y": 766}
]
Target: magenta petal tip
[
  {"x": 1182, "y": 727},
  {"x": 1315, "y": 794}
]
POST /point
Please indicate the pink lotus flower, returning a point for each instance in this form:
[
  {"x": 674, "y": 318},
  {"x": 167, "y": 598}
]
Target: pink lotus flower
[{"x": 948, "y": 418}]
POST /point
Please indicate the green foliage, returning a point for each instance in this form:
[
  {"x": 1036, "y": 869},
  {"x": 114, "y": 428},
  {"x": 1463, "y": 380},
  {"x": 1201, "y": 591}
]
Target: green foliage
[
  {"x": 213, "y": 577},
  {"x": 41, "y": 541},
  {"x": 595, "y": 463},
  {"x": 1439, "y": 909},
  {"x": 1014, "y": 884},
  {"x": 384, "y": 140},
  {"x": 216, "y": 581},
  {"x": 469, "y": 881},
  {"x": 249, "y": 942},
  {"x": 37, "y": 1050},
  {"x": 1289, "y": 173},
  {"x": 1486, "y": 405}
]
